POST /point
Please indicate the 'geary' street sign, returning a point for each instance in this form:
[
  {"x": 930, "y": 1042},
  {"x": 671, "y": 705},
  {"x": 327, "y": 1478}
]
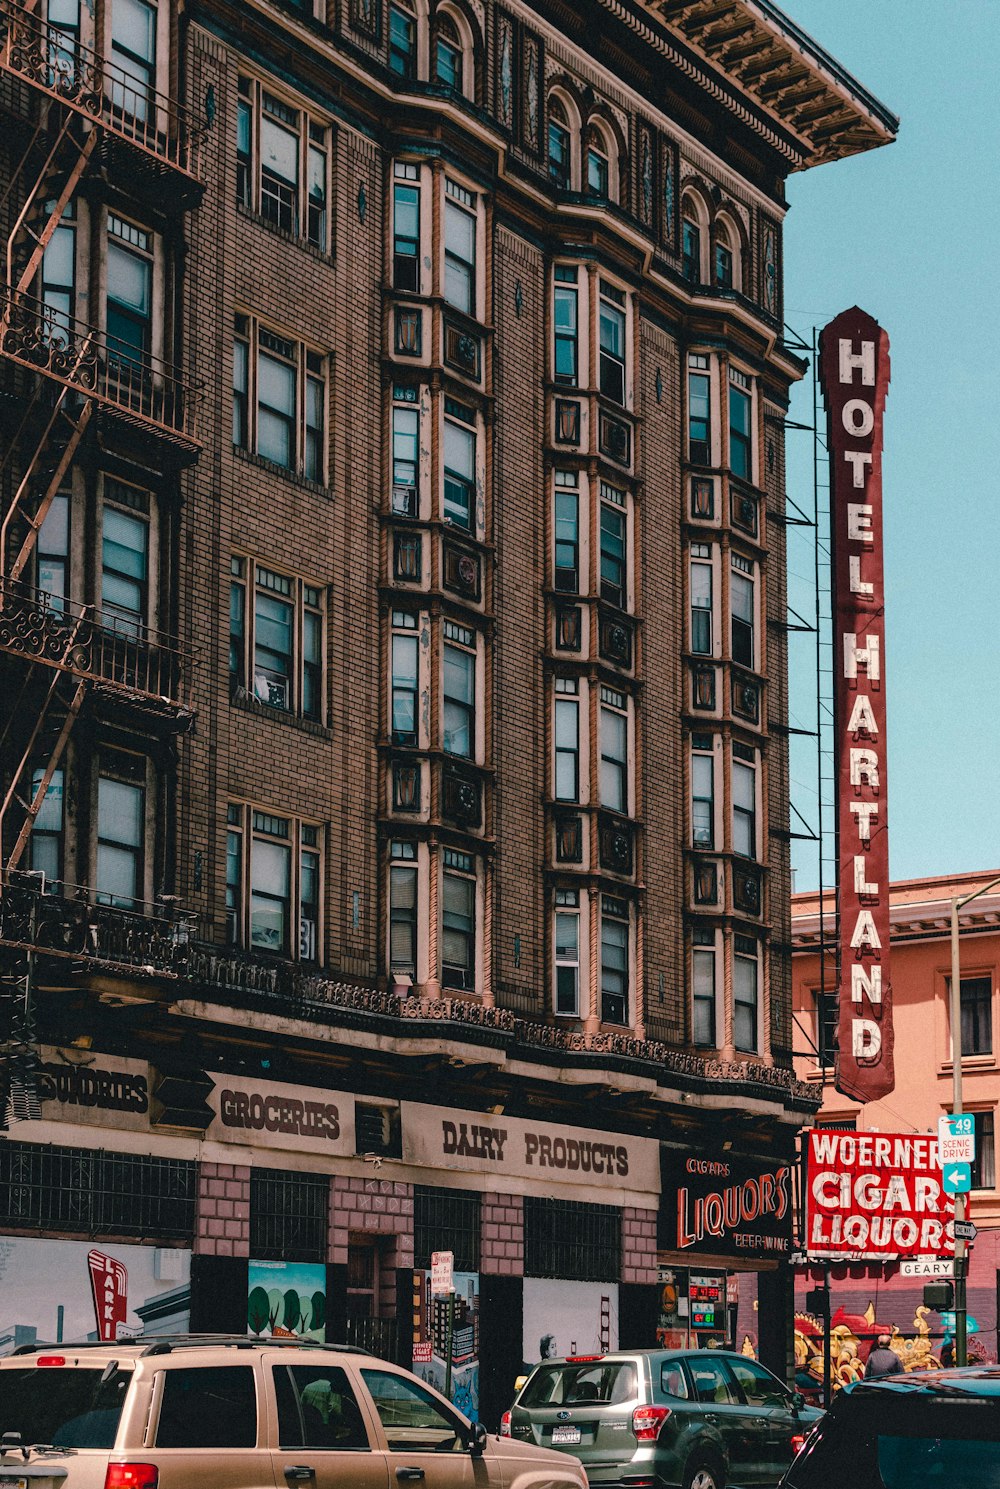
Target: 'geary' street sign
[
  {"x": 928, "y": 1266},
  {"x": 957, "y": 1139}
]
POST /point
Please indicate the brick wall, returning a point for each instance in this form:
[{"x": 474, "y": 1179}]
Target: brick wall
[
  {"x": 638, "y": 1245},
  {"x": 222, "y": 1214},
  {"x": 371, "y": 1207},
  {"x": 502, "y": 1235}
]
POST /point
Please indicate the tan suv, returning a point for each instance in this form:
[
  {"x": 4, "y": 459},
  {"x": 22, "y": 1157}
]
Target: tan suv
[{"x": 220, "y": 1412}]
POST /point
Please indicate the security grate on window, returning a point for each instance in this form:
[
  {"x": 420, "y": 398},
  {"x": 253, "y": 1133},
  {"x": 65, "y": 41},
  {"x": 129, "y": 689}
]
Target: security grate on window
[
  {"x": 96, "y": 1193},
  {"x": 580, "y": 1242},
  {"x": 446, "y": 1220},
  {"x": 289, "y": 1216}
]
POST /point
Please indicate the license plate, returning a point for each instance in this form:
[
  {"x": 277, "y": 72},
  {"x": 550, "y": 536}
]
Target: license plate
[
  {"x": 565, "y": 1434},
  {"x": 7, "y": 1482}
]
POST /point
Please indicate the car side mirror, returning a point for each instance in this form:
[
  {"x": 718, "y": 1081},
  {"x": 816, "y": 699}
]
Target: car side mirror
[
  {"x": 798, "y": 1401},
  {"x": 477, "y": 1440}
]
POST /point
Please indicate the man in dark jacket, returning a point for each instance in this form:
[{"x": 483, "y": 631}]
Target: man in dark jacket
[{"x": 883, "y": 1360}]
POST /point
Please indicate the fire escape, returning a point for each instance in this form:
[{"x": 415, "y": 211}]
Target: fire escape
[{"x": 72, "y": 116}]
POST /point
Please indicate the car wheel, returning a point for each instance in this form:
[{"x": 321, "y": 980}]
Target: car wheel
[{"x": 703, "y": 1476}]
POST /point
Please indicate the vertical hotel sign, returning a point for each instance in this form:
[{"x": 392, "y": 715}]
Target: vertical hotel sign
[{"x": 854, "y": 372}]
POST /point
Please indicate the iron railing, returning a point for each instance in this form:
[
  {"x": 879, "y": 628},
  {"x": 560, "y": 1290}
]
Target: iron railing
[
  {"x": 566, "y": 1239},
  {"x": 289, "y": 1216},
  {"x": 63, "y": 68},
  {"x": 95, "y": 1193},
  {"x": 446, "y": 1220}
]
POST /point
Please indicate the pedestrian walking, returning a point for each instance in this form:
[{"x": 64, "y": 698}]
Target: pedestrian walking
[{"x": 883, "y": 1360}]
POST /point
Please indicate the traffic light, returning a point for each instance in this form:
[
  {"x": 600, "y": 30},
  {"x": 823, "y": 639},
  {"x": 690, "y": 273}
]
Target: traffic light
[
  {"x": 818, "y": 1301},
  {"x": 940, "y": 1296}
]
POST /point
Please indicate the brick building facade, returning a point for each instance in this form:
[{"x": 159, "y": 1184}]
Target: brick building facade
[{"x": 394, "y": 600}]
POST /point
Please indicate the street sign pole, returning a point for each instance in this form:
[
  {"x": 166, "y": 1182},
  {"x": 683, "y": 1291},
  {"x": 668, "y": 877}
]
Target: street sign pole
[{"x": 961, "y": 1353}]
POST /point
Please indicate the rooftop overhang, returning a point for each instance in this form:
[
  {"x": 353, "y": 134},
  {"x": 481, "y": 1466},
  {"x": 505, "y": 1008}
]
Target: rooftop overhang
[{"x": 768, "y": 72}]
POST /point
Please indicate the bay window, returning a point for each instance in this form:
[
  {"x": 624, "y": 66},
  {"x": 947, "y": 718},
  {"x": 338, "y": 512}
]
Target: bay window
[
  {"x": 612, "y": 329},
  {"x": 567, "y": 739},
  {"x": 703, "y": 982},
  {"x": 566, "y": 952},
  {"x": 743, "y": 607},
  {"x": 460, "y": 459},
  {"x": 615, "y": 977},
  {"x": 614, "y": 773},
  {"x": 614, "y": 546},
  {"x": 567, "y": 531},
  {"x": 701, "y": 571},
  {"x": 565, "y": 320},
  {"x": 745, "y": 994},
  {"x": 744, "y": 784},
  {"x": 703, "y": 791},
  {"x": 403, "y": 901},
  {"x": 699, "y": 410},
  {"x": 406, "y": 226},
  {"x": 458, "y": 920},
  {"x": 460, "y": 248},
  {"x": 405, "y": 682},
  {"x": 740, "y": 426},
  {"x": 459, "y": 690}
]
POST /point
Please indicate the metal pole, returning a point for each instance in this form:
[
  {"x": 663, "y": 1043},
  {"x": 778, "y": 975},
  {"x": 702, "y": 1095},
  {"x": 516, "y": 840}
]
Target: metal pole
[
  {"x": 955, "y": 1017},
  {"x": 827, "y": 1383}
]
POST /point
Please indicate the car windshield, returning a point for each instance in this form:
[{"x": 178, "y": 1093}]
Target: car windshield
[
  {"x": 69, "y": 1408},
  {"x": 899, "y": 1444},
  {"x": 605, "y": 1382}
]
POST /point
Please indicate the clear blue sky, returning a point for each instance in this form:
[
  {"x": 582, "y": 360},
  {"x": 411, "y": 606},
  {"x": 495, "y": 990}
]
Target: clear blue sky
[{"x": 911, "y": 233}]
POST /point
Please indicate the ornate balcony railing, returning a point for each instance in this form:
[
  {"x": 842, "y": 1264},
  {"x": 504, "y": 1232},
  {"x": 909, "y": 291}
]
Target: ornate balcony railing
[
  {"x": 145, "y": 938},
  {"x": 60, "y": 66},
  {"x": 130, "y": 382},
  {"x": 131, "y": 658}
]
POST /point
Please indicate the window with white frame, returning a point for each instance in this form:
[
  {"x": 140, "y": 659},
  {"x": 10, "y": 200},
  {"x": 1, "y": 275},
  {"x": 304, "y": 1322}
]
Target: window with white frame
[
  {"x": 703, "y": 984},
  {"x": 120, "y": 867},
  {"x": 598, "y": 166},
  {"x": 566, "y": 325},
  {"x": 740, "y": 425},
  {"x": 276, "y": 646},
  {"x": 58, "y": 280},
  {"x": 615, "y": 953},
  {"x": 458, "y": 920},
  {"x": 129, "y": 300},
  {"x": 560, "y": 144},
  {"x": 406, "y": 226},
  {"x": 614, "y": 773},
  {"x": 46, "y": 854},
  {"x": 742, "y": 603},
  {"x": 746, "y": 1014},
  {"x": 461, "y": 445},
  {"x": 404, "y": 886},
  {"x": 566, "y": 943},
  {"x": 459, "y": 247},
  {"x": 133, "y": 54},
  {"x": 744, "y": 783},
  {"x": 453, "y": 61},
  {"x": 279, "y": 399},
  {"x": 614, "y": 545},
  {"x": 691, "y": 249},
  {"x": 567, "y": 739},
  {"x": 282, "y": 164},
  {"x": 702, "y": 599},
  {"x": 699, "y": 409},
  {"x": 402, "y": 40},
  {"x": 459, "y": 690},
  {"x": 405, "y": 678},
  {"x": 612, "y": 328},
  {"x": 726, "y": 265},
  {"x": 125, "y": 557},
  {"x": 53, "y": 552},
  {"x": 405, "y": 450},
  {"x": 703, "y": 790},
  {"x": 273, "y": 883},
  {"x": 567, "y": 531}
]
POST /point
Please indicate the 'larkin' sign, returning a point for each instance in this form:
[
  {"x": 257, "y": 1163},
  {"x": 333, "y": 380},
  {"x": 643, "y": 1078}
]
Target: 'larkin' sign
[{"x": 854, "y": 371}]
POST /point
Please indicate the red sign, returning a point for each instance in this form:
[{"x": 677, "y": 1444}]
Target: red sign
[
  {"x": 876, "y": 1195},
  {"x": 109, "y": 1280},
  {"x": 854, "y": 372}
]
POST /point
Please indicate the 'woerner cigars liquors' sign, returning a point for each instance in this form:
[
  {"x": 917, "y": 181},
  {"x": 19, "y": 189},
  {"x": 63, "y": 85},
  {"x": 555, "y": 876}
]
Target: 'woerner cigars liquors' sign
[{"x": 854, "y": 372}]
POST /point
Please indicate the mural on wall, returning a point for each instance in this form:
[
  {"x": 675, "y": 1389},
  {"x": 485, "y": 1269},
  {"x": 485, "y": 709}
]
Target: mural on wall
[
  {"x": 57, "y": 1292},
  {"x": 287, "y": 1300},
  {"x": 568, "y": 1318},
  {"x": 431, "y": 1324}
]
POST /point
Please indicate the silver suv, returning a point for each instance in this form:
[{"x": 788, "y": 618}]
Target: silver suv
[{"x": 222, "y": 1412}]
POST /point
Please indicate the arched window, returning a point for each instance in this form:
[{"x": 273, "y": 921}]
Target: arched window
[
  {"x": 694, "y": 238},
  {"x": 599, "y": 165},
  {"x": 726, "y": 257},
  {"x": 448, "y": 56},
  {"x": 402, "y": 39},
  {"x": 560, "y": 144}
]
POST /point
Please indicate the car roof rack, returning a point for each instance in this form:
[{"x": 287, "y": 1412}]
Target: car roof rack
[{"x": 165, "y": 1344}]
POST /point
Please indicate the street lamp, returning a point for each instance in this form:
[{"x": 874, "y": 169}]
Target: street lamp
[{"x": 955, "y": 1014}]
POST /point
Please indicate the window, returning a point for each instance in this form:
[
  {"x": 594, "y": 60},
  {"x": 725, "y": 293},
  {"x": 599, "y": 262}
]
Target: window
[
  {"x": 124, "y": 558},
  {"x": 760, "y": 1388},
  {"x": 976, "y": 994},
  {"x": 281, "y": 914},
  {"x": 566, "y": 945},
  {"x": 580, "y": 1242},
  {"x": 282, "y": 164},
  {"x": 567, "y": 739},
  {"x": 723, "y": 266},
  {"x": 406, "y": 226},
  {"x": 405, "y": 678},
  {"x": 121, "y": 832},
  {"x": 449, "y": 55},
  {"x": 130, "y": 295},
  {"x": 413, "y": 1421},
  {"x": 458, "y": 921},
  {"x": 212, "y": 1406},
  {"x": 745, "y": 994},
  {"x": 59, "y": 279},
  {"x": 741, "y": 599},
  {"x": 459, "y": 690},
  {"x": 703, "y": 790},
  {"x": 133, "y": 53},
  {"x": 47, "y": 832},
  {"x": 460, "y": 449},
  {"x": 740, "y": 427},
  {"x": 614, "y": 540},
  {"x": 699, "y": 411},
  {"x": 277, "y": 640},
  {"x": 402, "y": 42},
  {"x": 566, "y": 326},
  {"x": 984, "y": 1163},
  {"x": 701, "y": 599},
  {"x": 460, "y": 248},
  {"x": 560, "y": 145},
  {"x": 827, "y": 1021},
  {"x": 703, "y": 962},
  {"x": 744, "y": 801},
  {"x": 403, "y": 887},
  {"x": 614, "y": 750},
  {"x": 405, "y": 451},
  {"x": 612, "y": 342},
  {"x": 53, "y": 552},
  {"x": 63, "y": 18},
  {"x": 317, "y": 1409},
  {"x": 567, "y": 531},
  {"x": 598, "y": 167},
  {"x": 614, "y": 960},
  {"x": 279, "y": 399},
  {"x": 691, "y": 251}
]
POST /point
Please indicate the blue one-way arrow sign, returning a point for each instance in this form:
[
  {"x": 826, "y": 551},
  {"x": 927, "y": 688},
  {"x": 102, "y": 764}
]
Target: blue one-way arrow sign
[{"x": 957, "y": 1178}]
